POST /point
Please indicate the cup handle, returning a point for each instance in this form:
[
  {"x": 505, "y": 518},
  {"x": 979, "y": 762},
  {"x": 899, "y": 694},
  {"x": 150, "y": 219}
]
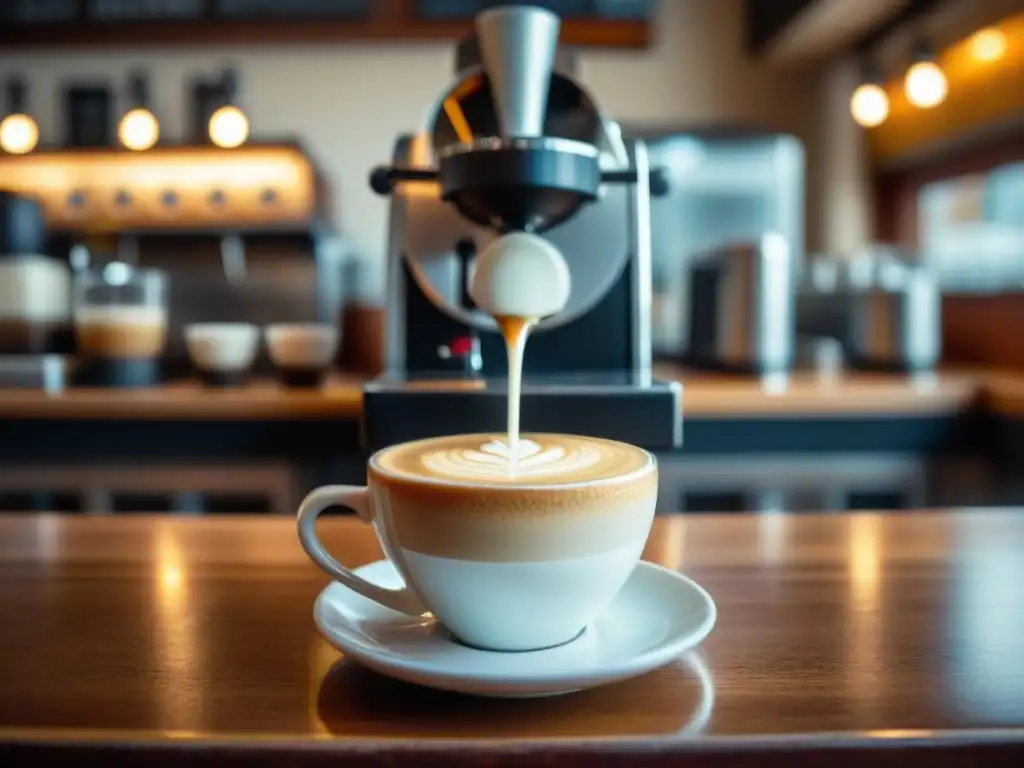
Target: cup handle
[{"x": 356, "y": 498}]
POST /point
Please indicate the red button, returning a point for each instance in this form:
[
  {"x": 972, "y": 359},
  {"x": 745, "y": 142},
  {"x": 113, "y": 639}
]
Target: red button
[{"x": 462, "y": 346}]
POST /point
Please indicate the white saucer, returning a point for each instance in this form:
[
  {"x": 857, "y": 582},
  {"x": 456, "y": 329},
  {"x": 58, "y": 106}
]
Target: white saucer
[{"x": 657, "y": 616}]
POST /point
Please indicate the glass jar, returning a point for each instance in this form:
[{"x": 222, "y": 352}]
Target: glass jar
[{"x": 120, "y": 318}]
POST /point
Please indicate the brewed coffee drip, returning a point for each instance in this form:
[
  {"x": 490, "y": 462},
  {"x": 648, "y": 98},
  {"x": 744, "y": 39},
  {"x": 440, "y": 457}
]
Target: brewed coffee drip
[{"x": 519, "y": 279}]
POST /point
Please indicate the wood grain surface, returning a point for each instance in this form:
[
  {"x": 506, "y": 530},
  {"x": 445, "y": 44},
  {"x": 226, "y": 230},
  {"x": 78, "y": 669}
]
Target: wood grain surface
[
  {"x": 806, "y": 394},
  {"x": 972, "y": 327},
  {"x": 192, "y": 640},
  {"x": 704, "y": 394},
  {"x": 341, "y": 395},
  {"x": 1004, "y": 394}
]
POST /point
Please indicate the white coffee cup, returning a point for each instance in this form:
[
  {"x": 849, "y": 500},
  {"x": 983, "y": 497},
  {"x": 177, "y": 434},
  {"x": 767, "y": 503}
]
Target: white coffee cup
[
  {"x": 506, "y": 564},
  {"x": 302, "y": 352},
  {"x": 302, "y": 345},
  {"x": 222, "y": 352}
]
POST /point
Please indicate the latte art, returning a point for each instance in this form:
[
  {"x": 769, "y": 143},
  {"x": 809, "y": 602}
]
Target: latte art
[
  {"x": 539, "y": 459},
  {"x": 497, "y": 460}
]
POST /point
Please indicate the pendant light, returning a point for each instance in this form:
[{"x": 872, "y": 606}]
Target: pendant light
[
  {"x": 229, "y": 127},
  {"x": 988, "y": 44},
  {"x": 869, "y": 103},
  {"x": 139, "y": 129},
  {"x": 19, "y": 133},
  {"x": 925, "y": 84}
]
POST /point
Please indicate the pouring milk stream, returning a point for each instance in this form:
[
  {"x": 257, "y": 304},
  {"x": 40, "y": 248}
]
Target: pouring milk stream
[{"x": 519, "y": 279}]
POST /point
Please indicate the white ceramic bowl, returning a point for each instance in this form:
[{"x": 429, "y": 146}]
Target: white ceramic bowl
[
  {"x": 222, "y": 347},
  {"x": 302, "y": 345}
]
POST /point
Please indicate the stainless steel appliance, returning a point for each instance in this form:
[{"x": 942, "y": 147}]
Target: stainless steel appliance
[
  {"x": 726, "y": 185},
  {"x": 896, "y": 324},
  {"x": 742, "y": 307},
  {"x": 823, "y": 300},
  {"x": 881, "y": 304},
  {"x": 517, "y": 143}
]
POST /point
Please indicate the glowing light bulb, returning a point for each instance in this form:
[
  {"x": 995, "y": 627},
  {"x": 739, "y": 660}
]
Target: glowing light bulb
[
  {"x": 18, "y": 134},
  {"x": 229, "y": 127},
  {"x": 988, "y": 44},
  {"x": 869, "y": 105},
  {"x": 926, "y": 85},
  {"x": 139, "y": 129}
]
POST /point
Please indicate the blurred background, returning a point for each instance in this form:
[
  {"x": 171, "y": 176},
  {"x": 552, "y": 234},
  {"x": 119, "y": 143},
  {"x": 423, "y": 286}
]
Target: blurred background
[{"x": 194, "y": 268}]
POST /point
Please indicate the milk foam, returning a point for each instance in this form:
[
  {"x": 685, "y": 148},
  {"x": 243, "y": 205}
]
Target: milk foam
[
  {"x": 487, "y": 460},
  {"x": 120, "y": 314},
  {"x": 496, "y": 459}
]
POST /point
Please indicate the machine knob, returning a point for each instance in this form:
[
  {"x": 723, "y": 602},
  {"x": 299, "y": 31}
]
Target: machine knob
[
  {"x": 657, "y": 179},
  {"x": 383, "y": 178},
  {"x": 659, "y": 183},
  {"x": 380, "y": 181}
]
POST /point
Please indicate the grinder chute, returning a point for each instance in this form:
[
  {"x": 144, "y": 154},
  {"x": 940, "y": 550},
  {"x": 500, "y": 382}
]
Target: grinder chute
[
  {"x": 518, "y": 48},
  {"x": 520, "y": 177}
]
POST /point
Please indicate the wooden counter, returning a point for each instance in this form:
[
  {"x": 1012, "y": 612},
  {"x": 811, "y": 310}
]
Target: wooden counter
[
  {"x": 1004, "y": 394},
  {"x": 865, "y": 639},
  {"x": 341, "y": 396},
  {"x": 704, "y": 394},
  {"x": 860, "y": 394}
]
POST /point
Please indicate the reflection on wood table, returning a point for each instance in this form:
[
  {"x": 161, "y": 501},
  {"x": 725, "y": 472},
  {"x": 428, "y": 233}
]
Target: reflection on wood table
[{"x": 192, "y": 640}]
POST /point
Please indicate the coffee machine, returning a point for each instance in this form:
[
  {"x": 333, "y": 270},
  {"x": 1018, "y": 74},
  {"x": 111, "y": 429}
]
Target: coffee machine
[
  {"x": 210, "y": 235},
  {"x": 516, "y": 143},
  {"x": 35, "y": 299}
]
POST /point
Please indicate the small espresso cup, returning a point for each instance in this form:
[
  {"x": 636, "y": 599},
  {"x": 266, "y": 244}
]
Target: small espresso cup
[
  {"x": 506, "y": 561},
  {"x": 222, "y": 353},
  {"x": 302, "y": 352}
]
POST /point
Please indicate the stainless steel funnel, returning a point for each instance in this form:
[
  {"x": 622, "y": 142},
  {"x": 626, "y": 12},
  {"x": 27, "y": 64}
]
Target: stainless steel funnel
[{"x": 518, "y": 44}]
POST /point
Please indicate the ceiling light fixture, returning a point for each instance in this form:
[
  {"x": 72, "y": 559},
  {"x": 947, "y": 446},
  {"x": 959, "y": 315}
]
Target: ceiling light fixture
[
  {"x": 925, "y": 84},
  {"x": 139, "y": 129},
  {"x": 869, "y": 103},
  {"x": 19, "y": 133},
  {"x": 229, "y": 127},
  {"x": 988, "y": 44}
]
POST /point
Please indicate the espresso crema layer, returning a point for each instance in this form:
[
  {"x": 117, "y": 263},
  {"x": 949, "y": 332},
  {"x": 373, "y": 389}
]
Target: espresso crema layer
[
  {"x": 129, "y": 331},
  {"x": 539, "y": 460},
  {"x": 597, "y": 501}
]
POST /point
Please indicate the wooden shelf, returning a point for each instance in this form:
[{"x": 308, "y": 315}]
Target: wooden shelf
[{"x": 390, "y": 20}]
